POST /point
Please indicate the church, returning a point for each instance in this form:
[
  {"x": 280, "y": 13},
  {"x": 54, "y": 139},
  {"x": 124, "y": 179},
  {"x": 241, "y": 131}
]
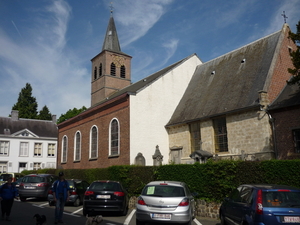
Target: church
[
  {"x": 187, "y": 112},
  {"x": 125, "y": 124}
]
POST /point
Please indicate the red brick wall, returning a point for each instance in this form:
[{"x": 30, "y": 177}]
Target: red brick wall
[
  {"x": 283, "y": 62},
  {"x": 100, "y": 116},
  {"x": 285, "y": 121}
]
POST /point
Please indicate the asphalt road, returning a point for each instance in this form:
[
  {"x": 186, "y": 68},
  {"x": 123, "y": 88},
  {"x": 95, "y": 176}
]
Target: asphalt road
[{"x": 23, "y": 212}]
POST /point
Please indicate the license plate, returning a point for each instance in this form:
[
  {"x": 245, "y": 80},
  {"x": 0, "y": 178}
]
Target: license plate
[
  {"x": 29, "y": 187},
  {"x": 103, "y": 196},
  {"x": 292, "y": 219},
  {"x": 161, "y": 216}
]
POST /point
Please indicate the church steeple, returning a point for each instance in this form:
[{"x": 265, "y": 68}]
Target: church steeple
[
  {"x": 111, "y": 41},
  {"x": 110, "y": 68}
]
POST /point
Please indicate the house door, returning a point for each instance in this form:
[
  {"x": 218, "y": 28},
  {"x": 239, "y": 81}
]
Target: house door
[{"x": 3, "y": 167}]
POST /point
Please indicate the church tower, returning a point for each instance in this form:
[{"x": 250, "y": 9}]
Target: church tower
[{"x": 110, "y": 68}]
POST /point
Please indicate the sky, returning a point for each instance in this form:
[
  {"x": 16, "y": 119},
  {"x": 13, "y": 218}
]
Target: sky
[{"x": 49, "y": 43}]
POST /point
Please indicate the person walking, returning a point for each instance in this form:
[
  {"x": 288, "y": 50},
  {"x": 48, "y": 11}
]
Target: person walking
[
  {"x": 8, "y": 192},
  {"x": 61, "y": 195}
]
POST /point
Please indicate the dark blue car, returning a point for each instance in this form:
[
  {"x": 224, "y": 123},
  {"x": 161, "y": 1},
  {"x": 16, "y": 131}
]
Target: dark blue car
[{"x": 261, "y": 204}]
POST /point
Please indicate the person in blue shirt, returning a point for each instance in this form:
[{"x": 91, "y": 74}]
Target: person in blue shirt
[
  {"x": 8, "y": 192},
  {"x": 61, "y": 195}
]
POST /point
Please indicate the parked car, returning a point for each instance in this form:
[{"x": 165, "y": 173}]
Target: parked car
[
  {"x": 36, "y": 185},
  {"x": 17, "y": 182},
  {"x": 105, "y": 196},
  {"x": 165, "y": 202},
  {"x": 5, "y": 176},
  {"x": 261, "y": 204},
  {"x": 78, "y": 188}
]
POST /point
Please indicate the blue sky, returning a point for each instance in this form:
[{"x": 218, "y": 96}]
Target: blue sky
[{"x": 49, "y": 43}]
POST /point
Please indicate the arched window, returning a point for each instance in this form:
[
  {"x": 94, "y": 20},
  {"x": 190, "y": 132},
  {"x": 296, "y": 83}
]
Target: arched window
[
  {"x": 64, "y": 149},
  {"x": 77, "y": 146},
  {"x": 95, "y": 73},
  {"x": 114, "y": 137},
  {"x": 123, "y": 71},
  {"x": 112, "y": 69},
  {"x": 100, "y": 70},
  {"x": 94, "y": 142}
]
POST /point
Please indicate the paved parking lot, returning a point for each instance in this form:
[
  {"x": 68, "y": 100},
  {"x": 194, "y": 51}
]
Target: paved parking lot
[{"x": 23, "y": 212}]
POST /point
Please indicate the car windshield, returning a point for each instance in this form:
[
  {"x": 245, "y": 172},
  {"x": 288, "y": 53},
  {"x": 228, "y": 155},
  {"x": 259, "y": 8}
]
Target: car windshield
[
  {"x": 281, "y": 199},
  {"x": 4, "y": 177},
  {"x": 71, "y": 183},
  {"x": 33, "y": 179},
  {"x": 163, "y": 191},
  {"x": 105, "y": 186}
]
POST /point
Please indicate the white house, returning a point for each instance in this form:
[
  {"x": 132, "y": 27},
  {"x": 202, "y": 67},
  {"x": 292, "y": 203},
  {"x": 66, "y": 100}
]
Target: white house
[{"x": 27, "y": 144}]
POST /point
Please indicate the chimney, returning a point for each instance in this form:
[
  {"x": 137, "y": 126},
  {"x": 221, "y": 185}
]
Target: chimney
[
  {"x": 14, "y": 115},
  {"x": 54, "y": 118}
]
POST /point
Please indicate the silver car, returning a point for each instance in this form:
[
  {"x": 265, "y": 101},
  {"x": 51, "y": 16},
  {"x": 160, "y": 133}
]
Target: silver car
[{"x": 165, "y": 201}]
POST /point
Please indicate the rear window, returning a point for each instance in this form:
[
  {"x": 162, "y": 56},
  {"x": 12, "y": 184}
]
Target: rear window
[
  {"x": 71, "y": 183},
  {"x": 34, "y": 179},
  {"x": 106, "y": 186},
  {"x": 163, "y": 191},
  {"x": 281, "y": 199}
]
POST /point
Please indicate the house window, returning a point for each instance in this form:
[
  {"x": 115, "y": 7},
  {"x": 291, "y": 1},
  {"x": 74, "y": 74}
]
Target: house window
[
  {"x": 112, "y": 69},
  {"x": 123, "y": 71},
  {"x": 195, "y": 136},
  {"x": 24, "y": 149},
  {"x": 64, "y": 149},
  {"x": 100, "y": 70},
  {"x": 51, "y": 149},
  {"x": 37, "y": 166},
  {"x": 221, "y": 142},
  {"x": 77, "y": 146},
  {"x": 95, "y": 73},
  {"x": 296, "y": 134},
  {"x": 114, "y": 137},
  {"x": 22, "y": 166},
  {"x": 4, "y": 146},
  {"x": 38, "y": 149},
  {"x": 94, "y": 142}
]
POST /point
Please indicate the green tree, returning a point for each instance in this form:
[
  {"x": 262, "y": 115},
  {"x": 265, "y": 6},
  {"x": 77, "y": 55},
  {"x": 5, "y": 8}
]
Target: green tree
[
  {"x": 70, "y": 113},
  {"x": 26, "y": 104},
  {"x": 295, "y": 57},
  {"x": 45, "y": 114}
]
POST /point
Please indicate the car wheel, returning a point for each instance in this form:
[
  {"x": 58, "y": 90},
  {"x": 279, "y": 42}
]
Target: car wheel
[
  {"x": 124, "y": 212},
  {"x": 23, "y": 199},
  {"x": 223, "y": 222},
  {"x": 77, "y": 202},
  {"x": 84, "y": 212},
  {"x": 138, "y": 222}
]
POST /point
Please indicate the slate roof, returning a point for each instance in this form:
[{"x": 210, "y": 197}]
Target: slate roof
[
  {"x": 42, "y": 128},
  {"x": 289, "y": 97},
  {"x": 228, "y": 83}
]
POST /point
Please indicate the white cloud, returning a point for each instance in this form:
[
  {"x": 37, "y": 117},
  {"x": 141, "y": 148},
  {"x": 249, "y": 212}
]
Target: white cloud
[{"x": 55, "y": 74}]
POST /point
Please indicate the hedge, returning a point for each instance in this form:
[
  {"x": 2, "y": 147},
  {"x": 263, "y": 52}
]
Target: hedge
[{"x": 212, "y": 181}]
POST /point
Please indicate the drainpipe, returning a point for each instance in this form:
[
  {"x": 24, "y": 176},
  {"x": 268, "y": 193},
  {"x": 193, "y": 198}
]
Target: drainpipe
[{"x": 272, "y": 121}]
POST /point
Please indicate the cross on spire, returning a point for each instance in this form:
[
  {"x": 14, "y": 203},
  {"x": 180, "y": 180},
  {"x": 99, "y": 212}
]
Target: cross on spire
[
  {"x": 111, "y": 8},
  {"x": 284, "y": 16}
]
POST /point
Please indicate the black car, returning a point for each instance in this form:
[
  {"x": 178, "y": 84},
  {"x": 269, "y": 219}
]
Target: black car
[
  {"x": 78, "y": 188},
  {"x": 105, "y": 196},
  {"x": 36, "y": 185},
  {"x": 260, "y": 204}
]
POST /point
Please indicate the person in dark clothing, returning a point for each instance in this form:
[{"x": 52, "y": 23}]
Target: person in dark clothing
[
  {"x": 8, "y": 192},
  {"x": 61, "y": 195}
]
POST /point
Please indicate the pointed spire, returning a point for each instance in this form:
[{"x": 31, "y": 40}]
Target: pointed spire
[{"x": 111, "y": 41}]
